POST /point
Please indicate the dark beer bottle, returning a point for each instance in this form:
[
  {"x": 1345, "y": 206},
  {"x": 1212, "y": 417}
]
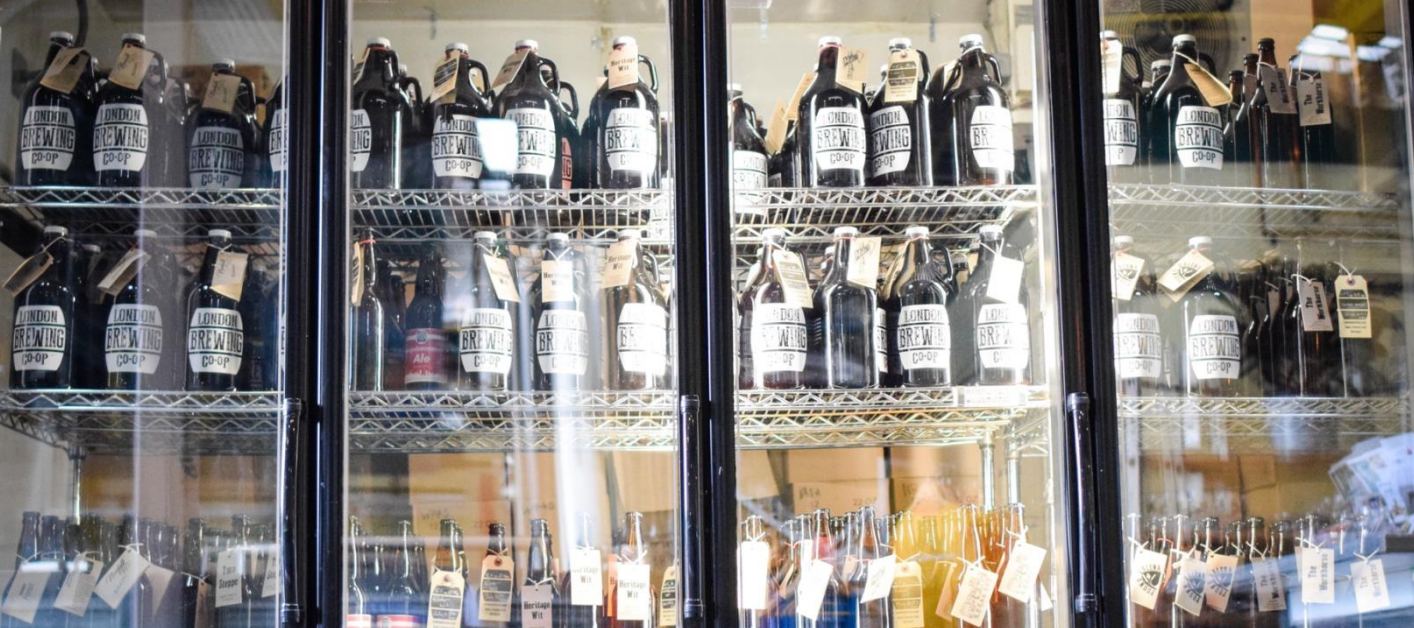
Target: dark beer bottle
[
  {"x": 1002, "y": 336},
  {"x": 425, "y": 341},
  {"x": 975, "y": 108},
  {"x": 222, "y": 143},
  {"x": 378, "y": 119},
  {"x": 215, "y": 332},
  {"x": 635, "y": 323},
  {"x": 129, "y": 122},
  {"x": 1211, "y": 354},
  {"x": 369, "y": 324},
  {"x": 417, "y": 166},
  {"x": 773, "y": 326},
  {"x": 1158, "y": 73},
  {"x": 532, "y": 104},
  {"x": 195, "y": 582},
  {"x": 1317, "y": 143},
  {"x": 842, "y": 323},
  {"x": 42, "y": 344},
  {"x": 750, "y": 169},
  {"x": 1275, "y": 121},
  {"x": 830, "y": 126},
  {"x": 1123, "y": 124},
  {"x": 1251, "y": 84},
  {"x": 559, "y": 305},
  {"x": 456, "y": 149},
  {"x": 539, "y": 593},
  {"x": 274, "y": 134},
  {"x": 1237, "y": 135},
  {"x": 1188, "y": 134},
  {"x": 919, "y": 330},
  {"x": 486, "y": 336},
  {"x": 1139, "y": 344},
  {"x": 1314, "y": 324},
  {"x": 393, "y": 292},
  {"x": 90, "y": 316},
  {"x": 135, "y": 339},
  {"x": 626, "y": 112},
  {"x": 899, "y": 133},
  {"x": 55, "y": 146}
]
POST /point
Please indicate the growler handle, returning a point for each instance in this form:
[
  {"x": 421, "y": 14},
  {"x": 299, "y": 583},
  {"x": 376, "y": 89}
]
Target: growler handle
[
  {"x": 246, "y": 94},
  {"x": 417, "y": 85},
  {"x": 574, "y": 99},
  {"x": 554, "y": 74},
  {"x": 1208, "y": 61},
  {"x": 996, "y": 69},
  {"x": 473, "y": 64},
  {"x": 927, "y": 71},
  {"x": 652, "y": 73},
  {"x": 1138, "y": 63},
  {"x": 161, "y": 68}
]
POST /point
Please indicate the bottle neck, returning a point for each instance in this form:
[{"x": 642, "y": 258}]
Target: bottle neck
[
  {"x": 538, "y": 570},
  {"x": 843, "y": 246},
  {"x": 370, "y": 266},
  {"x": 920, "y": 251},
  {"x": 828, "y": 64}
]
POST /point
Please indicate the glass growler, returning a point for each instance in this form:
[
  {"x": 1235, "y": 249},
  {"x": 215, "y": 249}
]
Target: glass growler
[
  {"x": 559, "y": 309},
  {"x": 978, "y": 122},
  {"x": 625, "y": 111},
  {"x": 773, "y": 325},
  {"x": 830, "y": 128},
  {"x": 919, "y": 329},
  {"x": 750, "y": 170},
  {"x": 1211, "y": 353},
  {"x": 378, "y": 119},
  {"x": 635, "y": 318},
  {"x": 223, "y": 135},
  {"x": 455, "y": 147},
  {"x": 1138, "y": 333},
  {"x": 138, "y": 339},
  {"x": 531, "y": 103},
  {"x": 842, "y": 334},
  {"x": 1275, "y": 122},
  {"x": 899, "y": 133},
  {"x": 42, "y": 347},
  {"x": 997, "y": 300},
  {"x": 129, "y": 126},
  {"x": 1123, "y": 125},
  {"x": 215, "y": 330},
  {"x": 1188, "y": 133},
  {"x": 486, "y": 336},
  {"x": 55, "y": 147}
]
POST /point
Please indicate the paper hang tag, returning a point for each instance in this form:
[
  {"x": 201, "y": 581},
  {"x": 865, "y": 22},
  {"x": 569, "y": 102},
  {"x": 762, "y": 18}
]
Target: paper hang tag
[
  {"x": 556, "y": 281},
  {"x": 907, "y": 595},
  {"x": 120, "y": 578},
  {"x": 229, "y": 568},
  {"x": 754, "y": 558},
  {"x": 229, "y": 276},
  {"x": 1046, "y": 603},
  {"x": 1217, "y": 587},
  {"x": 1147, "y": 571},
  {"x": 444, "y": 79},
  {"x": 160, "y": 579},
  {"x": 221, "y": 93},
  {"x": 668, "y": 598},
  {"x": 1214, "y": 93},
  {"x": 633, "y": 595},
  {"x": 1315, "y": 314},
  {"x": 274, "y": 572},
  {"x": 1352, "y": 299},
  {"x": 587, "y": 577},
  {"x": 1004, "y": 283},
  {"x": 1317, "y": 575},
  {"x": 25, "y": 592},
  {"x": 618, "y": 263},
  {"x": 1371, "y": 588},
  {"x": 948, "y": 576},
  {"x": 123, "y": 272},
  {"x": 205, "y": 614},
  {"x": 64, "y": 72},
  {"x": 501, "y": 279},
  {"x": 879, "y": 579},
  {"x": 1112, "y": 60},
  {"x": 793, "y": 278},
  {"x": 1192, "y": 573},
  {"x": 864, "y": 262},
  {"x": 1278, "y": 93},
  {"x": 811, "y": 592},
  {"x": 1184, "y": 274},
  {"x": 130, "y": 68},
  {"x": 445, "y": 599},
  {"x": 623, "y": 66},
  {"x": 901, "y": 84},
  {"x": 1023, "y": 567},
  {"x": 1271, "y": 592},
  {"x": 497, "y": 589},
  {"x": 510, "y": 68},
  {"x": 776, "y": 130},
  {"x": 974, "y": 596},
  {"x": 536, "y": 606},
  {"x": 28, "y": 272},
  {"x": 1127, "y": 269},
  {"x": 77, "y": 590},
  {"x": 853, "y": 69},
  {"x": 1312, "y": 101},
  {"x": 793, "y": 107},
  {"x": 356, "y": 290}
]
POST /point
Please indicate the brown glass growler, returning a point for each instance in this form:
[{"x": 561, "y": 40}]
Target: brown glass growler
[
  {"x": 129, "y": 127},
  {"x": 1211, "y": 325},
  {"x": 1138, "y": 330},
  {"x": 378, "y": 120},
  {"x": 1188, "y": 134},
  {"x": 486, "y": 335},
  {"x": 221, "y": 145},
  {"x": 750, "y": 168},
  {"x": 1124, "y": 127},
  {"x": 899, "y": 133},
  {"x": 215, "y": 328},
  {"x": 369, "y": 324},
  {"x": 1317, "y": 140},
  {"x": 842, "y": 324},
  {"x": 774, "y": 338},
  {"x": 571, "y": 155},
  {"x": 42, "y": 353},
  {"x": 919, "y": 332},
  {"x": 635, "y": 325},
  {"x": 417, "y": 132},
  {"x": 455, "y": 147},
  {"x": 531, "y": 103},
  {"x": 54, "y": 146},
  {"x": 1158, "y": 73},
  {"x": 1237, "y": 135},
  {"x": 1000, "y": 340},
  {"x": 978, "y": 127},
  {"x": 137, "y": 340},
  {"x": 1312, "y": 321},
  {"x": 559, "y": 307},
  {"x": 1276, "y": 126},
  {"x": 830, "y": 137},
  {"x": 274, "y": 135},
  {"x": 626, "y": 128}
]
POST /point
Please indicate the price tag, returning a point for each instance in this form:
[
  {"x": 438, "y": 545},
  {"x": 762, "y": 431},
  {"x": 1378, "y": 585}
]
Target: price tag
[
  {"x": 356, "y": 291},
  {"x": 901, "y": 82},
  {"x": 444, "y": 79},
  {"x": 974, "y": 596},
  {"x": 992, "y": 397},
  {"x": 221, "y": 93},
  {"x": 123, "y": 272},
  {"x": 810, "y": 594},
  {"x": 754, "y": 557},
  {"x": 1112, "y": 60},
  {"x": 1127, "y": 269},
  {"x": 853, "y": 69},
  {"x": 556, "y": 281},
  {"x": 1311, "y": 99},
  {"x": 618, "y": 263},
  {"x": 1274, "y": 86},
  {"x": 501, "y": 279},
  {"x": 121, "y": 577},
  {"x": 29, "y": 271},
  {"x": 587, "y": 574},
  {"x": 1315, "y": 316},
  {"x": 1023, "y": 567},
  {"x": 229, "y": 277},
  {"x": 67, "y": 68},
  {"x": 161, "y": 580},
  {"x": 948, "y": 594},
  {"x": 793, "y": 107},
  {"x": 793, "y": 278},
  {"x": 77, "y": 590},
  {"x": 1352, "y": 300},
  {"x": 1317, "y": 573},
  {"x": 1214, "y": 93},
  {"x": 205, "y": 614},
  {"x": 776, "y": 130},
  {"x": 1192, "y": 574},
  {"x": 1371, "y": 589},
  {"x": 131, "y": 66},
  {"x": 807, "y": 555},
  {"x": 274, "y": 571},
  {"x": 536, "y": 606},
  {"x": 26, "y": 590},
  {"x": 879, "y": 579},
  {"x": 1004, "y": 284},
  {"x": 907, "y": 595},
  {"x": 230, "y": 570},
  {"x": 497, "y": 587},
  {"x": 633, "y": 596},
  {"x": 510, "y": 68},
  {"x": 623, "y": 66},
  {"x": 1271, "y": 592},
  {"x": 668, "y": 598},
  {"x": 1184, "y": 274},
  {"x": 864, "y": 262},
  {"x": 1147, "y": 572},
  {"x": 1217, "y": 588}
]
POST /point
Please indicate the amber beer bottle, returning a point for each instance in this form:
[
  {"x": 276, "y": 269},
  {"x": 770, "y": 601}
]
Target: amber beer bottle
[
  {"x": 775, "y": 342},
  {"x": 1123, "y": 124},
  {"x": 55, "y": 146},
  {"x": 455, "y": 146},
  {"x": 842, "y": 323},
  {"x": 979, "y": 121},
  {"x": 215, "y": 331},
  {"x": 559, "y": 305},
  {"x": 486, "y": 336},
  {"x": 221, "y": 144},
  {"x": 369, "y": 324},
  {"x": 635, "y": 323},
  {"x": 1317, "y": 143},
  {"x": 378, "y": 120},
  {"x": 1002, "y": 336},
  {"x": 750, "y": 168},
  {"x": 899, "y": 134},
  {"x": 1139, "y": 343},
  {"x": 629, "y": 603},
  {"x": 1188, "y": 134},
  {"x": 626, "y": 129},
  {"x": 830, "y": 128},
  {"x": 1275, "y": 121},
  {"x": 1212, "y": 348},
  {"x": 42, "y": 347},
  {"x": 920, "y": 337},
  {"x": 1237, "y": 136}
]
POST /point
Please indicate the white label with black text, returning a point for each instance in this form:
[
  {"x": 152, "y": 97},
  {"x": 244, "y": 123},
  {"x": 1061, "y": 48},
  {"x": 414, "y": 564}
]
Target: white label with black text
[
  {"x": 924, "y": 337},
  {"x": 47, "y": 138},
  {"x": 631, "y": 141},
  {"x": 279, "y": 149},
  {"x": 485, "y": 341},
  {"x": 120, "y": 138},
  {"x": 1003, "y": 336},
  {"x": 215, "y": 341},
  {"x": 216, "y": 158},
  {"x": 989, "y": 136},
  {"x": 535, "y": 141},
  {"x": 562, "y": 342},
  {"x": 360, "y": 138},
  {"x": 838, "y": 139},
  {"x": 39, "y": 339},
  {"x": 456, "y": 150},
  {"x": 1214, "y": 347},
  {"x": 778, "y": 338},
  {"x": 1198, "y": 137},
  {"x": 1139, "y": 349},
  {"x": 642, "y": 337},
  {"x": 132, "y": 342},
  {"x": 1121, "y": 132},
  {"x": 749, "y": 170},
  {"x": 890, "y": 140}
]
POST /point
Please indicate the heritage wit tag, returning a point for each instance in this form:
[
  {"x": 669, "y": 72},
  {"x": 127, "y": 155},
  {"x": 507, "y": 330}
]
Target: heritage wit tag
[
  {"x": 586, "y": 570},
  {"x": 501, "y": 279}
]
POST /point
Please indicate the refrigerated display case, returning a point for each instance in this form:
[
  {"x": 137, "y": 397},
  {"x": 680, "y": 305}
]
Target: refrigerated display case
[
  {"x": 146, "y": 407},
  {"x": 1259, "y": 215}
]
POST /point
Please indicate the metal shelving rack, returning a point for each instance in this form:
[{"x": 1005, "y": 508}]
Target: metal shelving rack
[
  {"x": 529, "y": 214},
  {"x": 812, "y": 214},
  {"x": 1261, "y": 424},
  {"x": 1171, "y": 210},
  {"x": 250, "y": 214}
]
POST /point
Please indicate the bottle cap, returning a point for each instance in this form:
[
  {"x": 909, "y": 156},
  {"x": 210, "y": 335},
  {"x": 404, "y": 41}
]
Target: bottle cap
[
  {"x": 145, "y": 233},
  {"x": 916, "y": 231},
  {"x": 456, "y": 45},
  {"x": 1266, "y": 42},
  {"x": 630, "y": 234},
  {"x": 1184, "y": 39},
  {"x": 830, "y": 40},
  {"x": 625, "y": 40},
  {"x": 64, "y": 35},
  {"x": 218, "y": 233},
  {"x": 484, "y": 235},
  {"x": 380, "y": 41},
  {"x": 899, "y": 43},
  {"x": 402, "y": 68},
  {"x": 846, "y": 232},
  {"x": 1161, "y": 63},
  {"x": 1109, "y": 35},
  {"x": 528, "y": 43},
  {"x": 734, "y": 87},
  {"x": 774, "y": 233},
  {"x": 990, "y": 230},
  {"x": 56, "y": 229},
  {"x": 137, "y": 38},
  {"x": 559, "y": 237},
  {"x": 1124, "y": 241},
  {"x": 972, "y": 40},
  {"x": 1197, "y": 241},
  {"x": 224, "y": 64}
]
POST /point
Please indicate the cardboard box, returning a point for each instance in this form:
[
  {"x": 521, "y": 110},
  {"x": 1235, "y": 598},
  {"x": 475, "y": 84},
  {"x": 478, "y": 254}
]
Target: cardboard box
[
  {"x": 832, "y": 465},
  {"x": 842, "y": 496},
  {"x": 1257, "y": 471},
  {"x": 756, "y": 476}
]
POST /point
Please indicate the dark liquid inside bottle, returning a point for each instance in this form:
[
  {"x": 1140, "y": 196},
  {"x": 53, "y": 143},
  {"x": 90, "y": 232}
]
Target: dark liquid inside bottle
[
  {"x": 369, "y": 326},
  {"x": 1211, "y": 355},
  {"x": 626, "y": 133},
  {"x": 1001, "y": 339},
  {"x": 774, "y": 334},
  {"x": 919, "y": 330},
  {"x": 1139, "y": 342},
  {"x": 486, "y": 337},
  {"x": 635, "y": 327},
  {"x": 975, "y": 110},
  {"x": 559, "y": 314},
  {"x": 377, "y": 122},
  {"x": 830, "y": 130},
  {"x": 222, "y": 145},
  {"x": 842, "y": 334},
  {"x": 55, "y": 146},
  {"x": 42, "y": 348},
  {"x": 215, "y": 329},
  {"x": 141, "y": 328},
  {"x": 129, "y": 129},
  {"x": 455, "y": 146},
  {"x": 529, "y": 102},
  {"x": 1275, "y": 122},
  {"x": 899, "y": 131},
  {"x": 1188, "y": 134}
]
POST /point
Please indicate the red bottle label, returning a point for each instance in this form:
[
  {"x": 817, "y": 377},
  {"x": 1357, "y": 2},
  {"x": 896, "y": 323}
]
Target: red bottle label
[{"x": 426, "y": 357}]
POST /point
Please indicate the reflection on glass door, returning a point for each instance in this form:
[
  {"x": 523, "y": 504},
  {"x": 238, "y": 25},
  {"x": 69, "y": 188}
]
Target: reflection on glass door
[
  {"x": 1258, "y": 160},
  {"x": 511, "y": 446}
]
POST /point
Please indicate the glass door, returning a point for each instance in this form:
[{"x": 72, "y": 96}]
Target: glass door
[
  {"x": 511, "y": 438},
  {"x": 142, "y": 237},
  {"x": 898, "y": 379},
  {"x": 1259, "y": 208}
]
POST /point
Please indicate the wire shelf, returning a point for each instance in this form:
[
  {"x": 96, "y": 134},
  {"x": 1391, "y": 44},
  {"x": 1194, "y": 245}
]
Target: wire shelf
[
  {"x": 813, "y": 213},
  {"x": 249, "y": 213},
  {"x": 104, "y": 421},
  {"x": 1261, "y": 424},
  {"x": 520, "y": 214},
  {"x": 1174, "y": 210}
]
